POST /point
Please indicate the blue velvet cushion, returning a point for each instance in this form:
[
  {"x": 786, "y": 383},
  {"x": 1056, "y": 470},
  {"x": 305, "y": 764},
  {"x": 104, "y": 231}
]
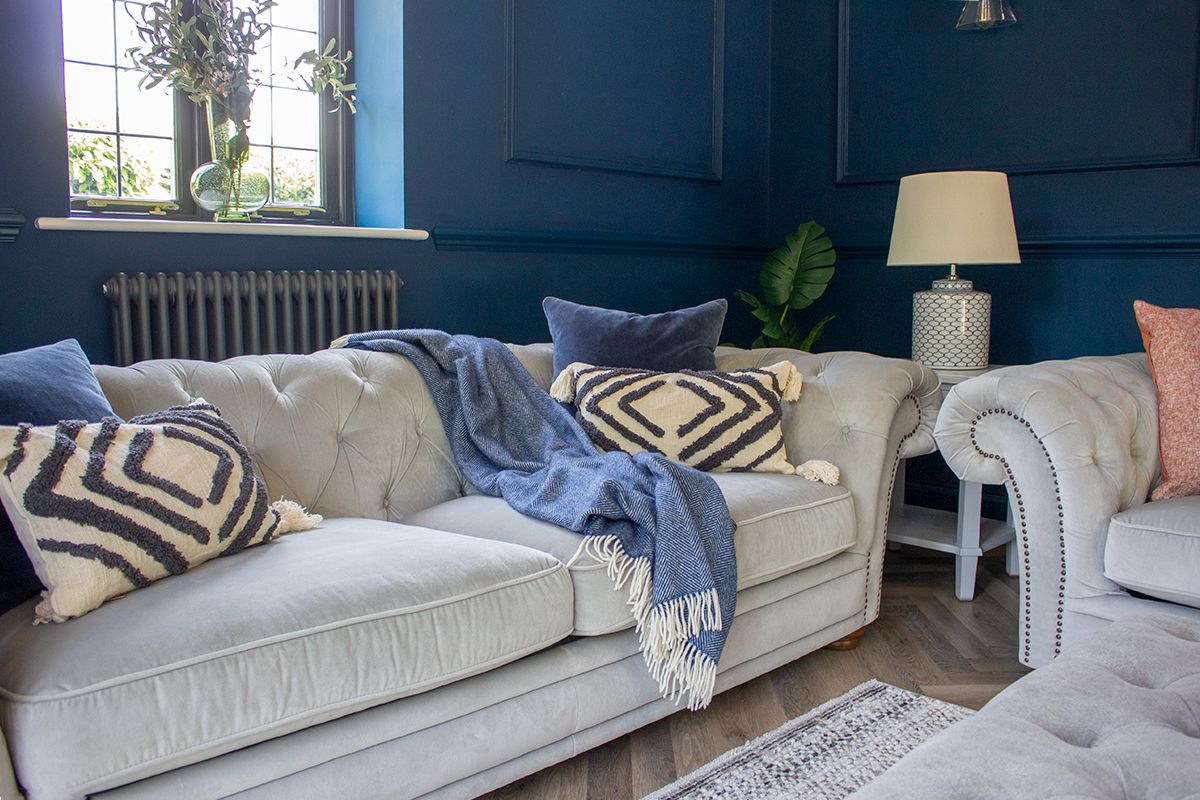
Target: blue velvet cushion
[
  {"x": 41, "y": 386},
  {"x": 667, "y": 342}
]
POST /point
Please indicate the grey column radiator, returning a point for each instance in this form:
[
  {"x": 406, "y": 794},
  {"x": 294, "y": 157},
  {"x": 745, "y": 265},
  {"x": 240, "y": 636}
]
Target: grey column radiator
[{"x": 215, "y": 315}]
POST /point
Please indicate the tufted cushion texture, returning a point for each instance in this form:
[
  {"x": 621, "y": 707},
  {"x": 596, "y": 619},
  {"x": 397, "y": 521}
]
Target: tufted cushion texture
[
  {"x": 1117, "y": 716},
  {"x": 713, "y": 421}
]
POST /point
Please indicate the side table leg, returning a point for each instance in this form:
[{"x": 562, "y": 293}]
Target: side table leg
[{"x": 970, "y": 500}]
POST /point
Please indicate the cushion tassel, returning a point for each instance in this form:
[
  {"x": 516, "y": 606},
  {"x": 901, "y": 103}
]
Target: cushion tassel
[{"x": 294, "y": 517}]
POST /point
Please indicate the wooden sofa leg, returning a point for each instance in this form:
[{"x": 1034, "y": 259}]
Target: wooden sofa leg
[{"x": 847, "y": 642}]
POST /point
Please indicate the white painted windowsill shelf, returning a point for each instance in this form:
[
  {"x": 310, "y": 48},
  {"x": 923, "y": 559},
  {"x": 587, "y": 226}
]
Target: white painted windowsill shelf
[{"x": 224, "y": 228}]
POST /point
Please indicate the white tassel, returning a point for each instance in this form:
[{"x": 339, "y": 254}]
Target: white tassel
[
  {"x": 819, "y": 471},
  {"x": 790, "y": 380},
  {"x": 563, "y": 388},
  {"x": 294, "y": 517},
  {"x": 339, "y": 342}
]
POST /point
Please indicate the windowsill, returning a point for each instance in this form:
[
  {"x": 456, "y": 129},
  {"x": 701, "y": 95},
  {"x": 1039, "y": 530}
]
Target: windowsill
[{"x": 225, "y": 228}]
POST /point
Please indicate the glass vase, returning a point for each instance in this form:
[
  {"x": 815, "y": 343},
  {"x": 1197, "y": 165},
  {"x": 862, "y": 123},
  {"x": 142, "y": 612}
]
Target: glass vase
[{"x": 227, "y": 186}]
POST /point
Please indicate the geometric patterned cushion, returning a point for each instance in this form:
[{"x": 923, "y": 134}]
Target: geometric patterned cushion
[
  {"x": 1172, "y": 340},
  {"x": 713, "y": 421},
  {"x": 108, "y": 507}
]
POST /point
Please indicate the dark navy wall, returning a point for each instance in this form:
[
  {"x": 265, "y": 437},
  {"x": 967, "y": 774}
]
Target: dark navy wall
[
  {"x": 1093, "y": 111},
  {"x": 585, "y": 206},
  {"x": 646, "y": 157}
]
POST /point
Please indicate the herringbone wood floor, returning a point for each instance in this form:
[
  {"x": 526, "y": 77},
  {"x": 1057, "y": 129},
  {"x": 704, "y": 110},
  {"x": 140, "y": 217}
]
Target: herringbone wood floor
[{"x": 924, "y": 640}]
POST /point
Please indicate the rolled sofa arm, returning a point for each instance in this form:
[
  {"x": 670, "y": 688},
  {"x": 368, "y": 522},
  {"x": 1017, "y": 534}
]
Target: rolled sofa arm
[
  {"x": 864, "y": 413},
  {"x": 1074, "y": 442},
  {"x": 859, "y": 411}
]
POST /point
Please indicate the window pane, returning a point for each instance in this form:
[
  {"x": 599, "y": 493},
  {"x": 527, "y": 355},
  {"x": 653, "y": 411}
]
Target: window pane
[
  {"x": 93, "y": 161},
  {"x": 148, "y": 111},
  {"x": 91, "y": 97},
  {"x": 300, "y": 14},
  {"x": 129, "y": 15},
  {"x": 295, "y": 178},
  {"x": 262, "y": 63},
  {"x": 260, "y": 117},
  {"x": 286, "y": 45},
  {"x": 147, "y": 168},
  {"x": 87, "y": 30},
  {"x": 295, "y": 118}
]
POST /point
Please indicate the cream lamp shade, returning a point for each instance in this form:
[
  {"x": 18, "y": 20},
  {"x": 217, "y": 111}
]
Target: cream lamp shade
[{"x": 953, "y": 218}]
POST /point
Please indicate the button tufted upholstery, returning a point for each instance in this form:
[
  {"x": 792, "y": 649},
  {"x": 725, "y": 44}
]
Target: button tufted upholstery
[
  {"x": 346, "y": 433},
  {"x": 1076, "y": 442},
  {"x": 351, "y": 433},
  {"x": 1117, "y": 716}
]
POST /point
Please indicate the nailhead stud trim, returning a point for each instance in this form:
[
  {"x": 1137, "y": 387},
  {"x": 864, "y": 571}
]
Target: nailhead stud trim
[{"x": 1026, "y": 610}]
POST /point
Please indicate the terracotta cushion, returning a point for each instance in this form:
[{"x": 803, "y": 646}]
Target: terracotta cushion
[{"x": 1172, "y": 340}]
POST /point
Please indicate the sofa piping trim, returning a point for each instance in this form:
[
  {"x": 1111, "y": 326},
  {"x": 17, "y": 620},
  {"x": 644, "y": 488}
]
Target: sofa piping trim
[
  {"x": 634, "y": 654},
  {"x": 1026, "y": 599},
  {"x": 887, "y": 510},
  {"x": 123, "y": 680},
  {"x": 477, "y": 669}
]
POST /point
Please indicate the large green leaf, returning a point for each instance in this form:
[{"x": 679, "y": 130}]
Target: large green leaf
[{"x": 797, "y": 273}]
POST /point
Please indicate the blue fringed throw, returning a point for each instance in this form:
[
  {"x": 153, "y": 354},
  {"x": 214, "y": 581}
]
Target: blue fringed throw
[{"x": 660, "y": 527}]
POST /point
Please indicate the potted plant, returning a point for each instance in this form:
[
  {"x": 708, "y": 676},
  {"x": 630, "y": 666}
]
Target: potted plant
[
  {"x": 793, "y": 277},
  {"x": 203, "y": 48}
]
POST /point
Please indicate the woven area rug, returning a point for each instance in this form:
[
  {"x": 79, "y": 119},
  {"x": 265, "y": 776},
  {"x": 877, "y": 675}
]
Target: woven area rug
[{"x": 826, "y": 754}]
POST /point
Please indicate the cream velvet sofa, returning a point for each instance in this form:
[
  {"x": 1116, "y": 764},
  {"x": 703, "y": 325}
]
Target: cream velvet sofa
[
  {"x": 1076, "y": 444},
  {"x": 424, "y": 641}
]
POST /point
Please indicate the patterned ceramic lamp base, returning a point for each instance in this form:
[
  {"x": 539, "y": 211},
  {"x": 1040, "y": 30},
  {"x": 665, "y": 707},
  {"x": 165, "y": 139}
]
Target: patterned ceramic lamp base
[{"x": 952, "y": 326}]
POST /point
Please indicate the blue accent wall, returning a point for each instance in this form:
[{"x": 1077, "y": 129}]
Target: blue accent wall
[
  {"x": 616, "y": 222},
  {"x": 1093, "y": 111},
  {"x": 647, "y": 155}
]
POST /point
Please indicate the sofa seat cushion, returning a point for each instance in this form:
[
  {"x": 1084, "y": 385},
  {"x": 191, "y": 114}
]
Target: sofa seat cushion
[
  {"x": 784, "y": 523},
  {"x": 314, "y": 626},
  {"x": 1154, "y": 549}
]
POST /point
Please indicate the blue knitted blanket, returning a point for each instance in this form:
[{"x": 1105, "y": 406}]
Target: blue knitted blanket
[{"x": 661, "y": 528}]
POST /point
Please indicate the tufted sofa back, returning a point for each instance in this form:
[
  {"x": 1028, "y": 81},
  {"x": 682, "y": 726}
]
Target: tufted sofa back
[
  {"x": 355, "y": 433},
  {"x": 347, "y": 433}
]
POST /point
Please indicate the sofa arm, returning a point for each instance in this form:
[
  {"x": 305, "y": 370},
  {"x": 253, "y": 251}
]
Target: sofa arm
[
  {"x": 1074, "y": 441},
  {"x": 863, "y": 413}
]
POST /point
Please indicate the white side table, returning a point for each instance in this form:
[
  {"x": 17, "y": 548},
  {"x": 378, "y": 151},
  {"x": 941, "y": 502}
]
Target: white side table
[{"x": 966, "y": 534}]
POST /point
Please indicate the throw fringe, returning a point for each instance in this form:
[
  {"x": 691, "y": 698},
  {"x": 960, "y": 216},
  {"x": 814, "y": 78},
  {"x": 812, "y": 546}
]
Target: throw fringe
[{"x": 665, "y": 631}]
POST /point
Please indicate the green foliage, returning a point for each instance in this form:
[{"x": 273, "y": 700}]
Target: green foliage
[
  {"x": 794, "y": 276},
  {"x": 203, "y": 48},
  {"x": 93, "y": 166},
  {"x": 328, "y": 70},
  {"x": 294, "y": 182}
]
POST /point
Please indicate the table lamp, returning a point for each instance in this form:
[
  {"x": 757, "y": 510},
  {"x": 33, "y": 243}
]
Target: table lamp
[{"x": 953, "y": 218}]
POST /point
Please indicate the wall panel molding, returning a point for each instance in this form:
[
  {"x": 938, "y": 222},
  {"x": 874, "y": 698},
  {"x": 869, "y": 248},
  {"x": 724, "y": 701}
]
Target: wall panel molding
[
  {"x": 519, "y": 151},
  {"x": 575, "y": 241},
  {"x": 1131, "y": 245},
  {"x": 847, "y": 172}
]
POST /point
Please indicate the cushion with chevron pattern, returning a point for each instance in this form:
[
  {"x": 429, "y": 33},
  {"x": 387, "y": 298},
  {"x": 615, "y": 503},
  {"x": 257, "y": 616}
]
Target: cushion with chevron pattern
[
  {"x": 713, "y": 421},
  {"x": 108, "y": 507}
]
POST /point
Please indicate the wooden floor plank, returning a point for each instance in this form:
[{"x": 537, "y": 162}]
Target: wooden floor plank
[{"x": 924, "y": 640}]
